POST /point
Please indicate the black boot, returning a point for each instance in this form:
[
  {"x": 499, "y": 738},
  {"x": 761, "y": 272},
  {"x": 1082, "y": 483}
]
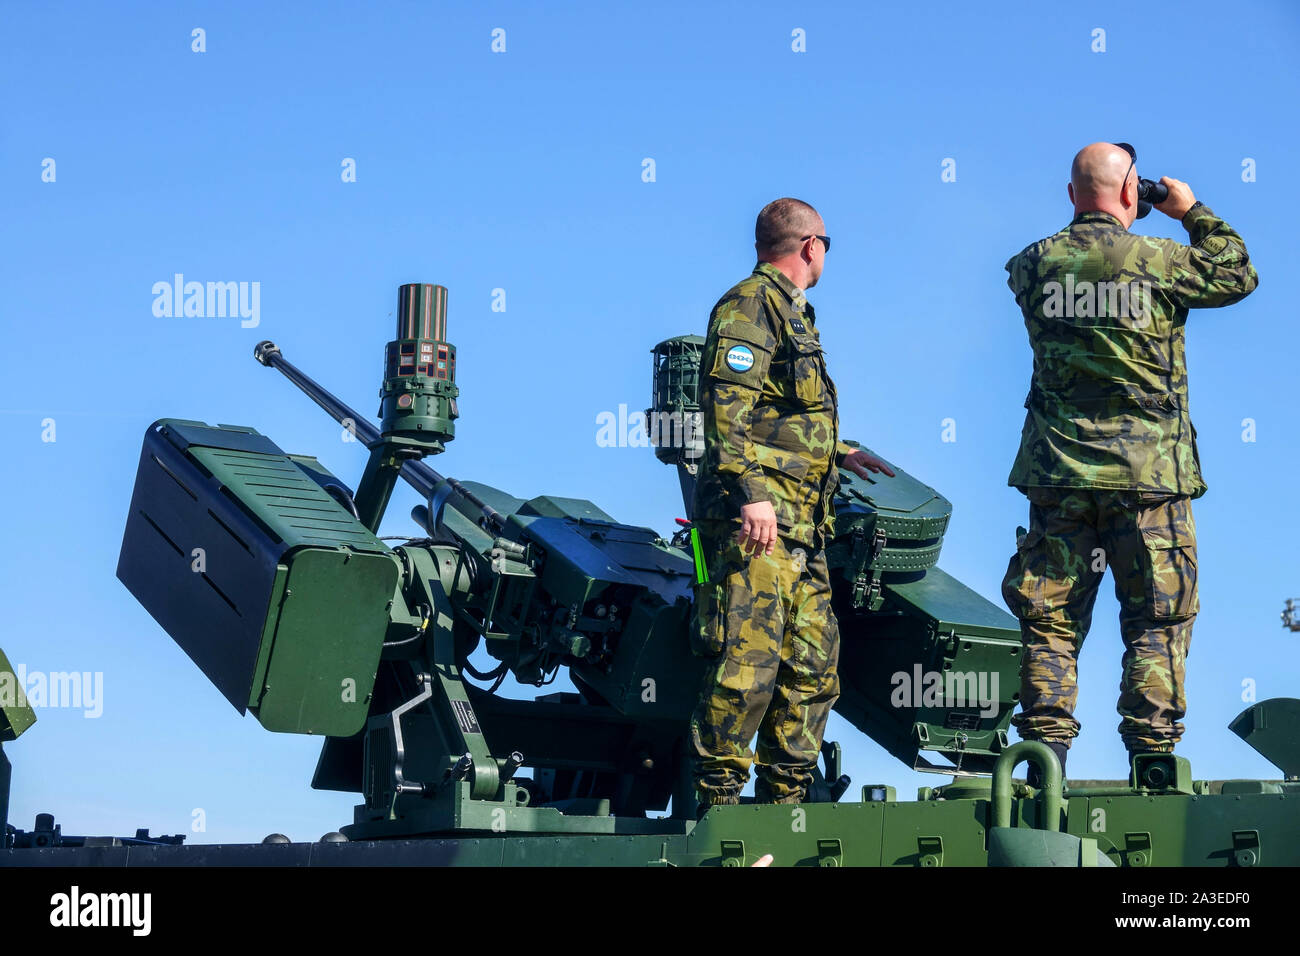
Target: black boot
[{"x": 1032, "y": 776}]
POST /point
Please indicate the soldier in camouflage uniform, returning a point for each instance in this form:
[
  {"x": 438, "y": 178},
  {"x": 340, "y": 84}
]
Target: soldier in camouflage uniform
[
  {"x": 763, "y": 507},
  {"x": 1108, "y": 453}
]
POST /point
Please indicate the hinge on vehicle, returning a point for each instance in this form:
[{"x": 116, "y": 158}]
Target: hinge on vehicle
[
  {"x": 931, "y": 850},
  {"x": 959, "y": 741},
  {"x": 874, "y": 598},
  {"x": 866, "y": 591},
  {"x": 1137, "y": 849},
  {"x": 866, "y": 585},
  {"x": 733, "y": 852},
  {"x": 877, "y": 544},
  {"x": 1245, "y": 847},
  {"x": 856, "y": 553}
]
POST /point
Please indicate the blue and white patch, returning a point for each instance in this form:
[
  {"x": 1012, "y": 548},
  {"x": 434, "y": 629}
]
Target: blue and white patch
[{"x": 739, "y": 358}]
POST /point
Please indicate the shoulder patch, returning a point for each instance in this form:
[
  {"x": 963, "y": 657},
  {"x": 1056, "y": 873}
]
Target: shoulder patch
[
  {"x": 739, "y": 358},
  {"x": 742, "y": 355}
]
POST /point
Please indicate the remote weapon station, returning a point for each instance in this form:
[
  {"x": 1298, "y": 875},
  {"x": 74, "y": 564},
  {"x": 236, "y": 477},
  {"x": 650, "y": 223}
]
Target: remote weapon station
[{"x": 301, "y": 615}]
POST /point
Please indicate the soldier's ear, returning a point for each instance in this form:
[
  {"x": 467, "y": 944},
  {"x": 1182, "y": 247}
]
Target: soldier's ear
[{"x": 1069, "y": 191}]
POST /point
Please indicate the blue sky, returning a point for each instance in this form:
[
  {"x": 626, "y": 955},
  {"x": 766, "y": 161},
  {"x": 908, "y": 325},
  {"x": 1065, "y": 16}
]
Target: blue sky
[{"x": 522, "y": 171}]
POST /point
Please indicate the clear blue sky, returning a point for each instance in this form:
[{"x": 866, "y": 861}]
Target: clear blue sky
[{"x": 523, "y": 171}]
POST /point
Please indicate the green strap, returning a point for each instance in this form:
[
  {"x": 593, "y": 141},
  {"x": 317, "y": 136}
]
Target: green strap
[{"x": 701, "y": 569}]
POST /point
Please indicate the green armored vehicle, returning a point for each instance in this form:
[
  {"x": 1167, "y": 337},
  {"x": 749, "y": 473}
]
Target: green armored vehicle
[
  {"x": 301, "y": 615},
  {"x": 16, "y": 715}
]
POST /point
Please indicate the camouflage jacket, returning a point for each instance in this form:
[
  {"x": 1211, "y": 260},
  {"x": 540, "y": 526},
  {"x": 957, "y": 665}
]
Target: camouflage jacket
[
  {"x": 768, "y": 409},
  {"x": 1106, "y": 311}
]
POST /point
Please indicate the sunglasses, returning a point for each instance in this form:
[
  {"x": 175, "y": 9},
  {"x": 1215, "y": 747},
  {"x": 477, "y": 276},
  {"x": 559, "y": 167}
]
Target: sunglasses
[
  {"x": 826, "y": 240},
  {"x": 1131, "y": 163}
]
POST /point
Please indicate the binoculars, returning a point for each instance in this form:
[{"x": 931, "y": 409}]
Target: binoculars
[{"x": 1150, "y": 193}]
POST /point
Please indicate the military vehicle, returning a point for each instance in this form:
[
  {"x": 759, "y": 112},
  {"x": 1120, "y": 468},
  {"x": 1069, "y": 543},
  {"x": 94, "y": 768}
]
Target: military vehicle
[{"x": 267, "y": 569}]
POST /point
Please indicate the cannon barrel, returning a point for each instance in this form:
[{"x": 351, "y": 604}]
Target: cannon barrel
[{"x": 417, "y": 474}]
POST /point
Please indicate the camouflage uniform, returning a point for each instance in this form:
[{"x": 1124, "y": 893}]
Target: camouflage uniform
[
  {"x": 770, "y": 429},
  {"x": 1109, "y": 463}
]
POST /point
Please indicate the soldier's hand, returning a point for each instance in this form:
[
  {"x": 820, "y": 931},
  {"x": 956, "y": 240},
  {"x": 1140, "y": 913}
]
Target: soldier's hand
[
  {"x": 862, "y": 463},
  {"x": 757, "y": 528},
  {"x": 1180, "y": 198}
]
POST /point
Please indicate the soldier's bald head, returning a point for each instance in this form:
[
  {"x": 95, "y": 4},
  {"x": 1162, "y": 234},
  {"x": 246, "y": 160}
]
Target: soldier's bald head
[
  {"x": 1099, "y": 170},
  {"x": 1103, "y": 179},
  {"x": 781, "y": 224}
]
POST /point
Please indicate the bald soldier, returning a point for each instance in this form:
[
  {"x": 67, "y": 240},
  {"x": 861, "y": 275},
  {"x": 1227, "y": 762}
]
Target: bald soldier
[
  {"x": 762, "y": 509},
  {"x": 1108, "y": 453}
]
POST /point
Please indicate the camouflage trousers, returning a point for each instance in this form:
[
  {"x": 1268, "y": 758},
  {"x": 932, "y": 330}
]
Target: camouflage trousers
[
  {"x": 767, "y": 621},
  {"x": 1149, "y": 544}
]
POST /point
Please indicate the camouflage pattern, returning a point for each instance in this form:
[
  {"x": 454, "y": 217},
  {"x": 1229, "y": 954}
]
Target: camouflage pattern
[
  {"x": 1149, "y": 543},
  {"x": 1106, "y": 311},
  {"x": 771, "y": 433},
  {"x": 768, "y": 410},
  {"x": 767, "y": 621}
]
